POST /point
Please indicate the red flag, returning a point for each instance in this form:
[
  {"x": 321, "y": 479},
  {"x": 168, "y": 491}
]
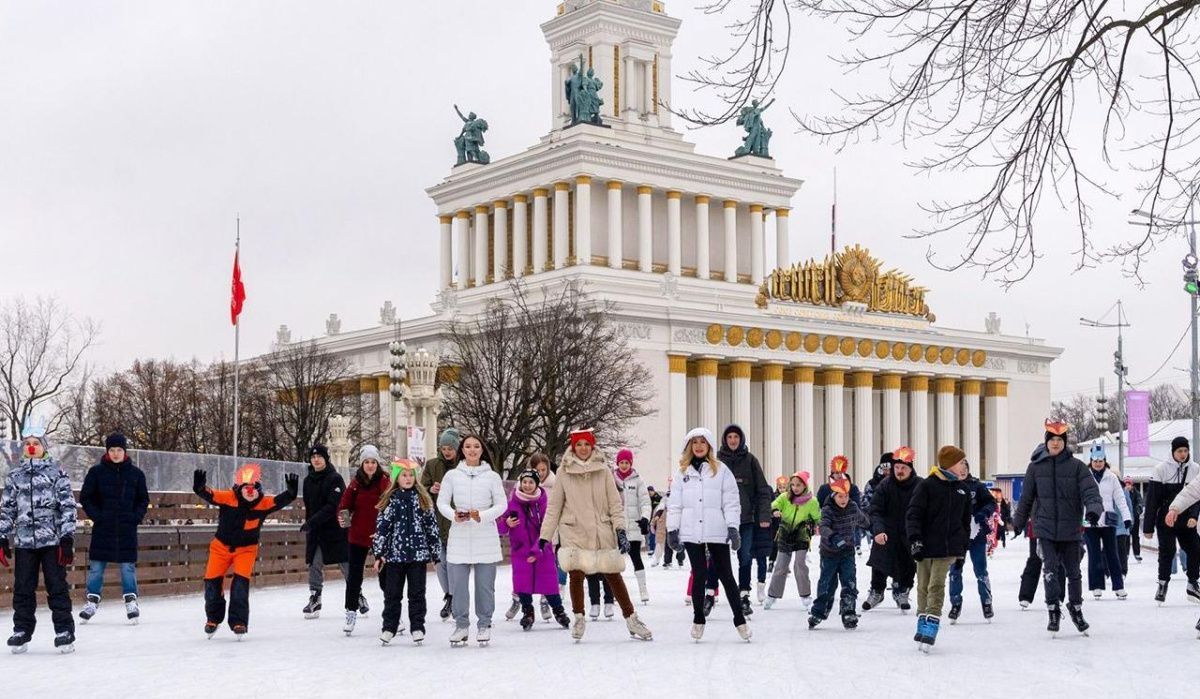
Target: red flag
[{"x": 239, "y": 292}]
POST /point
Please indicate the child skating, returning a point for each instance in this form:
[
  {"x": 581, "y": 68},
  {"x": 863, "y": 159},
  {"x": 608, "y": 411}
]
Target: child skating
[
  {"x": 533, "y": 568},
  {"x": 840, "y": 518},
  {"x": 406, "y": 540}
]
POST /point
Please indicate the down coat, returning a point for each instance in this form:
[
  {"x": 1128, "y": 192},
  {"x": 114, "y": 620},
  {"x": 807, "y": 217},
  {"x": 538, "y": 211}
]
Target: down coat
[
  {"x": 1112, "y": 496},
  {"x": 585, "y": 511},
  {"x": 1063, "y": 488},
  {"x": 704, "y": 506},
  {"x": 114, "y": 497},
  {"x": 541, "y": 576},
  {"x": 635, "y": 500},
  {"x": 37, "y": 509},
  {"x": 322, "y": 493},
  {"x": 467, "y": 488}
]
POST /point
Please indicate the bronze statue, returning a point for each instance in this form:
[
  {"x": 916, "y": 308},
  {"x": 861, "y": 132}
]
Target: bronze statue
[
  {"x": 469, "y": 142},
  {"x": 583, "y": 94},
  {"x": 758, "y": 137}
]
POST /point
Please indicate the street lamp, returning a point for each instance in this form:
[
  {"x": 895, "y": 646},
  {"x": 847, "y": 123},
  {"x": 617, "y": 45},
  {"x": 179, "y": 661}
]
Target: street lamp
[
  {"x": 397, "y": 375},
  {"x": 1121, "y": 371}
]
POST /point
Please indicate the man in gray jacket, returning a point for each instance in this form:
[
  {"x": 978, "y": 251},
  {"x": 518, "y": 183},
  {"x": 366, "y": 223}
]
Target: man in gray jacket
[{"x": 1063, "y": 490}]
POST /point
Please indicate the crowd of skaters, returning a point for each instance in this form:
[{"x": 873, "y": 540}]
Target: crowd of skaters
[{"x": 577, "y": 525}]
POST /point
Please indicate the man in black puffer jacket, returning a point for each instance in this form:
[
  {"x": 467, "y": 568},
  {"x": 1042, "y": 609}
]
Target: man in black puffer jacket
[
  {"x": 115, "y": 498},
  {"x": 890, "y": 555},
  {"x": 325, "y": 541},
  {"x": 756, "y": 499},
  {"x": 1063, "y": 489}
]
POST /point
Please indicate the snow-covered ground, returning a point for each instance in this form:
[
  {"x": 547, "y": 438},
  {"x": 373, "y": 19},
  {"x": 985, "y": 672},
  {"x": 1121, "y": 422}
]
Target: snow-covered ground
[{"x": 1135, "y": 649}]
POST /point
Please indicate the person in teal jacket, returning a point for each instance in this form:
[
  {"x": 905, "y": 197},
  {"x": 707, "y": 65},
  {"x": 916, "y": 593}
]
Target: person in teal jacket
[{"x": 799, "y": 516}]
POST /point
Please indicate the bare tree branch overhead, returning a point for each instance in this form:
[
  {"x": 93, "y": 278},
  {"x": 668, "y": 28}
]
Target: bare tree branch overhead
[{"x": 999, "y": 87}]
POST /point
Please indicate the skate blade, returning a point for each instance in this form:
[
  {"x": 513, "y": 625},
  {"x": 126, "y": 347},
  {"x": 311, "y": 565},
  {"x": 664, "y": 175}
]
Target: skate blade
[
  {"x": 63, "y": 650},
  {"x": 312, "y": 615},
  {"x": 133, "y": 621},
  {"x": 17, "y": 650},
  {"x": 924, "y": 648}
]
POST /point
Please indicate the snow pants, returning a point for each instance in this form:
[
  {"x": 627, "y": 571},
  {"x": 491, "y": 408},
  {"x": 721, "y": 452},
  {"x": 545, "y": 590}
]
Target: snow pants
[
  {"x": 460, "y": 592},
  {"x": 722, "y": 567},
  {"x": 26, "y": 565},
  {"x": 799, "y": 563},
  {"x": 220, "y": 559},
  {"x": 978, "y": 553},
  {"x": 1171, "y": 539},
  {"x": 1101, "y": 550},
  {"x": 1060, "y": 559},
  {"x": 595, "y": 582},
  {"x": 834, "y": 570},
  {"x": 931, "y": 585},
  {"x": 394, "y": 578}
]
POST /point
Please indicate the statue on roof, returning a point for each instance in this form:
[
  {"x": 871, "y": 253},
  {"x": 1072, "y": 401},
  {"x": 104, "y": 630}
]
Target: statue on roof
[
  {"x": 758, "y": 137},
  {"x": 469, "y": 142},
  {"x": 583, "y": 94}
]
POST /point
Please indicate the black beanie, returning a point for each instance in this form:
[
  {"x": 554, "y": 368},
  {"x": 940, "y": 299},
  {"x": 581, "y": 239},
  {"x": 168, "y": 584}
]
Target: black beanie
[
  {"x": 319, "y": 449},
  {"x": 116, "y": 439},
  {"x": 1180, "y": 442}
]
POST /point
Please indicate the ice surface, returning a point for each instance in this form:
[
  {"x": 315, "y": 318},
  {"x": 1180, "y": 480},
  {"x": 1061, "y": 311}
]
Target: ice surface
[{"x": 1136, "y": 649}]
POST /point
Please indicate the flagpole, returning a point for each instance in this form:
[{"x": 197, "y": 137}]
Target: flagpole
[
  {"x": 833, "y": 216},
  {"x": 237, "y": 337}
]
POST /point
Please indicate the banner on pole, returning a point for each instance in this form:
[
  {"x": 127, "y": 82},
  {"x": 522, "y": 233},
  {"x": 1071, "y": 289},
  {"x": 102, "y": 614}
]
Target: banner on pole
[
  {"x": 1137, "y": 412},
  {"x": 416, "y": 444}
]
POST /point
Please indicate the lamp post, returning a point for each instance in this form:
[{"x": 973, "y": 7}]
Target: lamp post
[
  {"x": 1121, "y": 371},
  {"x": 397, "y": 375}
]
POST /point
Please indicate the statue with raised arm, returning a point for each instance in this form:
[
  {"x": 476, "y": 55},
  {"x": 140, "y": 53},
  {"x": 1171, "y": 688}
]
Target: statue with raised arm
[
  {"x": 574, "y": 88},
  {"x": 583, "y": 94},
  {"x": 758, "y": 137},
  {"x": 469, "y": 142}
]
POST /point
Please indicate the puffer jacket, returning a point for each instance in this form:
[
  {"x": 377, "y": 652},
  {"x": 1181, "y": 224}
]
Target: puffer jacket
[
  {"x": 1112, "y": 495},
  {"x": 585, "y": 511},
  {"x": 114, "y": 497},
  {"x": 939, "y": 516},
  {"x": 983, "y": 507},
  {"x": 889, "y": 505},
  {"x": 1064, "y": 491},
  {"x": 1166, "y": 482},
  {"x": 838, "y": 525},
  {"x": 1185, "y": 502},
  {"x": 466, "y": 488},
  {"x": 405, "y": 533},
  {"x": 322, "y": 493},
  {"x": 753, "y": 490},
  {"x": 796, "y": 521},
  {"x": 703, "y": 506},
  {"x": 635, "y": 500},
  {"x": 37, "y": 509}
]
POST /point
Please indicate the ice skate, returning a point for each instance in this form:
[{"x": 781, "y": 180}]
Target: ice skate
[
  {"x": 1121, "y": 594},
  {"x": 1193, "y": 592},
  {"x": 873, "y": 600},
  {"x": 747, "y": 610},
  {"x": 459, "y": 637},
  {"x": 18, "y": 643},
  {"x": 761, "y": 592},
  {"x": 637, "y": 629},
  {"x": 812, "y": 622},
  {"x": 483, "y": 636},
  {"x": 563, "y": 620},
  {"x": 901, "y": 599},
  {"x": 932, "y": 624},
  {"x": 90, "y": 608},
  {"x": 544, "y": 608},
  {"x": 770, "y": 602},
  {"x": 418, "y": 635},
  {"x": 697, "y": 632},
  {"x": 744, "y": 632},
  {"x": 709, "y": 600},
  {"x": 1055, "y": 620},
  {"x": 445, "y": 612},
  {"x": 64, "y": 642},
  {"x": 578, "y": 627},
  {"x": 988, "y": 612},
  {"x": 210, "y": 628},
  {"x": 594, "y": 612},
  {"x": 351, "y": 620},
  {"x": 806, "y": 602},
  {"x": 1197, "y": 630},
  {"x": 1024, "y": 604},
  {"x": 312, "y": 610},
  {"x": 131, "y": 608},
  {"x": 363, "y": 607},
  {"x": 955, "y": 611},
  {"x": 641, "y": 581},
  {"x": 850, "y": 620},
  {"x": 386, "y": 637},
  {"x": 239, "y": 631},
  {"x": 1076, "y": 612},
  {"x": 608, "y": 611},
  {"x": 513, "y": 610},
  {"x": 1160, "y": 595},
  {"x": 527, "y": 618}
]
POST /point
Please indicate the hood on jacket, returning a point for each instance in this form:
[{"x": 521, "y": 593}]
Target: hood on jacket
[
  {"x": 574, "y": 465},
  {"x": 742, "y": 448}
]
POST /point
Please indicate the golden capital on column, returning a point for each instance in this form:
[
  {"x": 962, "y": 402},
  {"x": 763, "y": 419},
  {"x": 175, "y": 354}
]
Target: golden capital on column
[
  {"x": 781, "y": 212},
  {"x": 482, "y": 209},
  {"x": 583, "y": 179},
  {"x": 383, "y": 383},
  {"x": 773, "y": 372},
  {"x": 673, "y": 194},
  {"x": 972, "y": 387},
  {"x": 740, "y": 369},
  {"x": 805, "y": 374},
  {"x": 833, "y": 377},
  {"x": 645, "y": 189},
  {"x": 463, "y": 214},
  {"x": 702, "y": 198},
  {"x": 863, "y": 379},
  {"x": 917, "y": 384},
  {"x": 677, "y": 363},
  {"x": 944, "y": 384},
  {"x": 756, "y": 208},
  {"x": 730, "y": 204},
  {"x": 562, "y": 186},
  {"x": 445, "y": 218},
  {"x": 500, "y": 204},
  {"x": 890, "y": 382},
  {"x": 367, "y": 384},
  {"x": 541, "y": 192},
  {"x": 615, "y": 184},
  {"x": 996, "y": 389},
  {"x": 520, "y": 198},
  {"x": 706, "y": 367}
]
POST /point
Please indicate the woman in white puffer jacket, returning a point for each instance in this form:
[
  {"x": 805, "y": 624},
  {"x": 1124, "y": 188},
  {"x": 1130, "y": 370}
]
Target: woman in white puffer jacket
[{"x": 704, "y": 512}]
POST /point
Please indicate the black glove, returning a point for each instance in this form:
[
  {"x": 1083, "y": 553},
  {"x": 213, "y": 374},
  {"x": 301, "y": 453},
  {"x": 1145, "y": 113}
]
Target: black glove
[
  {"x": 917, "y": 549},
  {"x": 542, "y": 544},
  {"x": 199, "y": 480},
  {"x": 734, "y": 539},
  {"x": 5, "y": 552},
  {"x": 837, "y": 542},
  {"x": 673, "y": 541},
  {"x": 1092, "y": 518},
  {"x": 644, "y": 526},
  {"x": 1128, "y": 524},
  {"x": 291, "y": 481},
  {"x": 66, "y": 550},
  {"x": 304, "y": 527},
  {"x": 622, "y": 542}
]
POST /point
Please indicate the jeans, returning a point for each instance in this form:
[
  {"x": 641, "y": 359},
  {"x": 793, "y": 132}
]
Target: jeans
[
  {"x": 594, "y": 582},
  {"x": 26, "y": 564},
  {"x": 745, "y": 555},
  {"x": 393, "y": 579},
  {"x": 722, "y": 568},
  {"x": 651, "y": 543},
  {"x": 1060, "y": 559},
  {"x": 931, "y": 585},
  {"x": 442, "y": 575},
  {"x": 485, "y": 593},
  {"x": 1101, "y": 549},
  {"x": 835, "y": 569},
  {"x": 316, "y": 571},
  {"x": 95, "y": 577},
  {"x": 978, "y": 553}
]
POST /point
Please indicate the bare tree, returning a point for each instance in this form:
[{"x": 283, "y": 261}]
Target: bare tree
[
  {"x": 1080, "y": 413},
  {"x": 1000, "y": 87},
  {"x": 1168, "y": 402},
  {"x": 531, "y": 370},
  {"x": 150, "y": 402},
  {"x": 41, "y": 352}
]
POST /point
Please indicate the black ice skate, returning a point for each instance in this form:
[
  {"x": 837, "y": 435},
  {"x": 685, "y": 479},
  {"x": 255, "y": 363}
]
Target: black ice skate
[
  {"x": 19, "y": 642},
  {"x": 874, "y": 599},
  {"x": 1160, "y": 595},
  {"x": 955, "y": 611},
  {"x": 1076, "y": 612},
  {"x": 1055, "y": 619},
  {"x": 64, "y": 642}
]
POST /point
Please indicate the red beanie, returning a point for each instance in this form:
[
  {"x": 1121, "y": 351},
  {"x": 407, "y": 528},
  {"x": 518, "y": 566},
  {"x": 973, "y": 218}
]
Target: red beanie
[{"x": 625, "y": 455}]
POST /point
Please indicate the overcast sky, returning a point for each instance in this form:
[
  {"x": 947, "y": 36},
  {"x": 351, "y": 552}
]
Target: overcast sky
[{"x": 131, "y": 134}]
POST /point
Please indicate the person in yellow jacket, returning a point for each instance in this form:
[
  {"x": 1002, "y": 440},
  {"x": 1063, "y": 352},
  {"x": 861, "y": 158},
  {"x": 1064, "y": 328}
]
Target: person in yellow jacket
[{"x": 799, "y": 516}]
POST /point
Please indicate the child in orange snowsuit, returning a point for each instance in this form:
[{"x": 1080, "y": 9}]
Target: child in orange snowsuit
[{"x": 239, "y": 526}]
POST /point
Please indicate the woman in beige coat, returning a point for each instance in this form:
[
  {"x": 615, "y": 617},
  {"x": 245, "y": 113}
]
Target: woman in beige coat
[{"x": 585, "y": 511}]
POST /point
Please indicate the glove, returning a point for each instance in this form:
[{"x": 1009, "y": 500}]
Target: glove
[
  {"x": 917, "y": 549},
  {"x": 542, "y": 544},
  {"x": 673, "y": 541},
  {"x": 5, "y": 552},
  {"x": 291, "y": 481},
  {"x": 838, "y": 542},
  {"x": 622, "y": 542},
  {"x": 1092, "y": 518},
  {"x": 1128, "y": 524},
  {"x": 66, "y": 551},
  {"x": 644, "y": 526},
  {"x": 199, "y": 480},
  {"x": 734, "y": 539},
  {"x": 304, "y": 527}
]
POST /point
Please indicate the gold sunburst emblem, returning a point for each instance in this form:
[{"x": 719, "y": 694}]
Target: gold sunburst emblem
[{"x": 856, "y": 272}]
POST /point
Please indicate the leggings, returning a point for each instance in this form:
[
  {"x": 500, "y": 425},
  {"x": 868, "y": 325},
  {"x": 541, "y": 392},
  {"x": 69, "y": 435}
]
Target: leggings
[
  {"x": 635, "y": 555},
  {"x": 575, "y": 586},
  {"x": 723, "y": 568},
  {"x": 594, "y": 583}
]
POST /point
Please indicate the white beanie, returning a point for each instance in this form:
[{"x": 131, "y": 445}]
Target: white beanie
[
  {"x": 368, "y": 452},
  {"x": 700, "y": 432}
]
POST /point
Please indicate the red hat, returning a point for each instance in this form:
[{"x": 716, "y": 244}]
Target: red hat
[
  {"x": 842, "y": 485},
  {"x": 623, "y": 455},
  {"x": 583, "y": 435},
  {"x": 839, "y": 464}
]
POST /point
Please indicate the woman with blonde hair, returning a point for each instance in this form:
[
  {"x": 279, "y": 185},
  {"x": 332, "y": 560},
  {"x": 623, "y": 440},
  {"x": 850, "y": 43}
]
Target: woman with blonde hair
[{"x": 703, "y": 517}]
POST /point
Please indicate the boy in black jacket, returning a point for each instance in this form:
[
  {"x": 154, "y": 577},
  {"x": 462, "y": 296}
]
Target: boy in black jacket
[
  {"x": 938, "y": 523},
  {"x": 840, "y": 517}
]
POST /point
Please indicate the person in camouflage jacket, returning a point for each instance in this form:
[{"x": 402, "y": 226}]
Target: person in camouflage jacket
[{"x": 37, "y": 524}]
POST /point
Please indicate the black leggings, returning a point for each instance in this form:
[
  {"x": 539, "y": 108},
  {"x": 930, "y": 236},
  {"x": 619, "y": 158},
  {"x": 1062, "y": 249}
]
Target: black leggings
[
  {"x": 594, "y": 581},
  {"x": 724, "y": 570},
  {"x": 635, "y": 554},
  {"x": 354, "y": 581}
]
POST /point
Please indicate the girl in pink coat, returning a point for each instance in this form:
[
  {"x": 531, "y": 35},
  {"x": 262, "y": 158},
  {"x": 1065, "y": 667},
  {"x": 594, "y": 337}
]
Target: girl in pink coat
[{"x": 533, "y": 567}]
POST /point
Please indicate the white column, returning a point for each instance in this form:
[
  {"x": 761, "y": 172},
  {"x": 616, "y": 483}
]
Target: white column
[
  {"x": 583, "y": 220},
  {"x": 865, "y": 457},
  {"x": 757, "y": 244},
  {"x": 645, "y": 222},
  {"x": 891, "y": 412},
  {"x": 918, "y": 420},
  {"x": 739, "y": 382},
  {"x": 462, "y": 222},
  {"x": 833, "y": 380},
  {"x": 730, "y": 240},
  {"x": 772, "y": 421},
  {"x": 674, "y": 235},
  {"x": 783, "y": 255},
  {"x": 805, "y": 423},
  {"x": 648, "y": 84},
  {"x": 520, "y": 229},
  {"x": 996, "y": 411},
  {"x": 500, "y": 270},
  {"x": 481, "y": 245},
  {"x": 540, "y": 229},
  {"x": 562, "y": 199},
  {"x": 945, "y": 412},
  {"x": 702, "y": 263},
  {"x": 446, "y": 239},
  {"x": 706, "y": 386},
  {"x": 615, "y": 229},
  {"x": 678, "y": 390},
  {"x": 970, "y": 423}
]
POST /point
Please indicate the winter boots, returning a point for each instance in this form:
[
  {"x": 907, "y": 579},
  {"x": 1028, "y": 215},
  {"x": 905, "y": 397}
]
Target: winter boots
[
  {"x": 513, "y": 609},
  {"x": 637, "y": 629},
  {"x": 761, "y": 592},
  {"x": 578, "y": 627},
  {"x": 131, "y": 608},
  {"x": 445, "y": 612},
  {"x": 1193, "y": 591},
  {"x": 641, "y": 581},
  {"x": 927, "y": 631},
  {"x": 312, "y": 610},
  {"x": 1055, "y": 619},
  {"x": 18, "y": 642},
  {"x": 89, "y": 609},
  {"x": 874, "y": 599},
  {"x": 351, "y": 620},
  {"x": 1160, "y": 595},
  {"x": 1076, "y": 612},
  {"x": 64, "y": 642},
  {"x": 527, "y": 617}
]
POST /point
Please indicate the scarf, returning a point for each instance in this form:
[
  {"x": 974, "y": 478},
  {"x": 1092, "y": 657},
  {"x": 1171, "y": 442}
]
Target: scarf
[
  {"x": 622, "y": 475},
  {"x": 802, "y": 498},
  {"x": 1098, "y": 475},
  {"x": 528, "y": 498}
]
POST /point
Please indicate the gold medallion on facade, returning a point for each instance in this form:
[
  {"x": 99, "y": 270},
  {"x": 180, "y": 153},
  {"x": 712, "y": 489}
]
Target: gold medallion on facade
[
  {"x": 714, "y": 333},
  {"x": 793, "y": 341},
  {"x": 899, "y": 350},
  {"x": 774, "y": 339},
  {"x": 754, "y": 337},
  {"x": 734, "y": 335},
  {"x": 962, "y": 357},
  {"x": 978, "y": 357},
  {"x": 947, "y": 355},
  {"x": 931, "y": 354},
  {"x": 847, "y": 346},
  {"x": 882, "y": 349},
  {"x": 830, "y": 344},
  {"x": 865, "y": 347},
  {"x": 811, "y": 343}
]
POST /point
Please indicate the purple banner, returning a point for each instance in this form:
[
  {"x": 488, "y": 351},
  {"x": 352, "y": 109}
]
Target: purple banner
[{"x": 1137, "y": 416}]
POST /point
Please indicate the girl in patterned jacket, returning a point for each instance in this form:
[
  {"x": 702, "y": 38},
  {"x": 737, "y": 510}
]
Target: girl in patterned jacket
[{"x": 406, "y": 541}]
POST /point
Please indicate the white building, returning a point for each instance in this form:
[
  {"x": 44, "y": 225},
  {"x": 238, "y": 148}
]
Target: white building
[{"x": 822, "y": 358}]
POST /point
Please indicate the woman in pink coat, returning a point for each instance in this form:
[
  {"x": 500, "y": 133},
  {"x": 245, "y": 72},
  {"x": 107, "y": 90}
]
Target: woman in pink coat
[{"x": 533, "y": 567}]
